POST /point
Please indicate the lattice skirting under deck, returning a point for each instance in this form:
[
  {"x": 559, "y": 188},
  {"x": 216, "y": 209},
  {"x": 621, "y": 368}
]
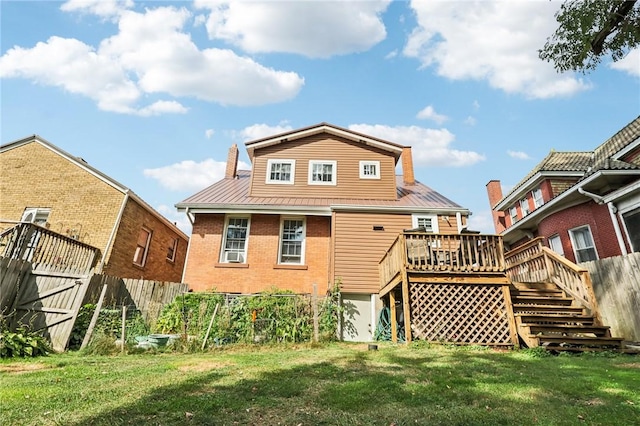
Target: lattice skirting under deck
[{"x": 459, "y": 313}]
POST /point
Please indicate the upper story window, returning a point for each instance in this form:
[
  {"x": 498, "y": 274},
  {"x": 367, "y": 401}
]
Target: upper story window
[
  {"x": 322, "y": 172},
  {"x": 428, "y": 222},
  {"x": 369, "y": 170},
  {"x": 583, "y": 246},
  {"x": 513, "y": 213},
  {"x": 292, "y": 238},
  {"x": 524, "y": 207},
  {"x": 235, "y": 240},
  {"x": 35, "y": 215},
  {"x": 142, "y": 247},
  {"x": 172, "y": 249},
  {"x": 536, "y": 194},
  {"x": 281, "y": 171}
]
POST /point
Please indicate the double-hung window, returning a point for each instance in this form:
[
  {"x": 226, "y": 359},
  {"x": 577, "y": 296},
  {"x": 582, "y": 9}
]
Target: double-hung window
[
  {"x": 142, "y": 247},
  {"x": 322, "y": 172},
  {"x": 292, "y": 238},
  {"x": 536, "y": 194},
  {"x": 281, "y": 171},
  {"x": 428, "y": 223},
  {"x": 583, "y": 246},
  {"x": 556, "y": 244},
  {"x": 513, "y": 213},
  {"x": 171, "y": 249},
  {"x": 235, "y": 240},
  {"x": 369, "y": 170},
  {"x": 524, "y": 207}
]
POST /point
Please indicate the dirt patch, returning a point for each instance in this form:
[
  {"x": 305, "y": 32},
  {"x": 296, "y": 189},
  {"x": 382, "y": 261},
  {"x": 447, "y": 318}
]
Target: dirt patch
[
  {"x": 22, "y": 368},
  {"x": 630, "y": 365},
  {"x": 202, "y": 367}
]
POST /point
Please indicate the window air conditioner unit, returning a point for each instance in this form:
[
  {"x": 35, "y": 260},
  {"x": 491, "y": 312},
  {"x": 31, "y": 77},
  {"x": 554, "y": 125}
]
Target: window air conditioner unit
[{"x": 233, "y": 257}]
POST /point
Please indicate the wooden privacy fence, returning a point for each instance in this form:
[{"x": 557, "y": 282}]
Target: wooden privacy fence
[
  {"x": 532, "y": 262},
  {"x": 147, "y": 296},
  {"x": 616, "y": 283}
]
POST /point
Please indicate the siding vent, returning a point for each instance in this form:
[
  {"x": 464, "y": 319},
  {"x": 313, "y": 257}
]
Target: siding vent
[{"x": 378, "y": 228}]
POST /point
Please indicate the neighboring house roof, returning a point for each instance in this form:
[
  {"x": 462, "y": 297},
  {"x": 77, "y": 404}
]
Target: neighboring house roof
[
  {"x": 331, "y": 129},
  {"x": 580, "y": 164},
  {"x": 233, "y": 195},
  {"x": 78, "y": 161}
]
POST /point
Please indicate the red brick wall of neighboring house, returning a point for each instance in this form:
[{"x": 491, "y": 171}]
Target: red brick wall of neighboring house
[
  {"x": 589, "y": 213},
  {"x": 156, "y": 266},
  {"x": 204, "y": 272},
  {"x": 494, "y": 192}
]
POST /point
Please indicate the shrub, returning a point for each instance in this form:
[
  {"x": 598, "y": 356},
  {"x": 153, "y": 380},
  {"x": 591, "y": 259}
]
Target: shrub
[{"x": 22, "y": 343}]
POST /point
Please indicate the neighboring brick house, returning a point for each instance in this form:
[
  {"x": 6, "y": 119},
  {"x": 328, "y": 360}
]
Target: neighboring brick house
[
  {"x": 43, "y": 184},
  {"x": 586, "y": 204},
  {"x": 321, "y": 204}
]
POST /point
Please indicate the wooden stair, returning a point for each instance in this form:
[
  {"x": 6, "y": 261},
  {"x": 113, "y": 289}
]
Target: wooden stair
[{"x": 546, "y": 316}]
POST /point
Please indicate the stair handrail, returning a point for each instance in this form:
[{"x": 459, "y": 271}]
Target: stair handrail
[{"x": 534, "y": 262}]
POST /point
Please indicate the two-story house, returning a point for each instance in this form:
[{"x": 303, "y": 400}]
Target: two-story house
[
  {"x": 42, "y": 184},
  {"x": 586, "y": 204},
  {"x": 321, "y": 204}
]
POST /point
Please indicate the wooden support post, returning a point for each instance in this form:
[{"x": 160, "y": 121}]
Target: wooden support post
[
  {"x": 513, "y": 329},
  {"x": 394, "y": 321},
  {"x": 94, "y": 319},
  {"x": 124, "y": 327},
  {"x": 405, "y": 294}
]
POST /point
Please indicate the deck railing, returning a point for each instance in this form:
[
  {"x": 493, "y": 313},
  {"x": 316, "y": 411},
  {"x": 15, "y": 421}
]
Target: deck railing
[
  {"x": 533, "y": 262},
  {"x": 442, "y": 253},
  {"x": 47, "y": 250}
]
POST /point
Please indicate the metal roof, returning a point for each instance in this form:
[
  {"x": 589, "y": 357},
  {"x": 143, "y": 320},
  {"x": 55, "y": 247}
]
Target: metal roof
[{"x": 230, "y": 193}]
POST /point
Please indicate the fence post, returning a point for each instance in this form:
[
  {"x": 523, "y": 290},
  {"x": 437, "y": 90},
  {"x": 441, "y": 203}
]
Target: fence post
[
  {"x": 316, "y": 328},
  {"x": 94, "y": 319}
]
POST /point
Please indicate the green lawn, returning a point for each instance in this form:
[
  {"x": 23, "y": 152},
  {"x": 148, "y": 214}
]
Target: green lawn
[{"x": 336, "y": 384}]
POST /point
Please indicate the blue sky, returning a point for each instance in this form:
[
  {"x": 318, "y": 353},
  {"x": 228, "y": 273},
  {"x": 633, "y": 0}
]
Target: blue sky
[{"x": 154, "y": 93}]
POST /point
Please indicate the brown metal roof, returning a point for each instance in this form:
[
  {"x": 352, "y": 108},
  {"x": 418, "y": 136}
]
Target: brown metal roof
[{"x": 229, "y": 194}]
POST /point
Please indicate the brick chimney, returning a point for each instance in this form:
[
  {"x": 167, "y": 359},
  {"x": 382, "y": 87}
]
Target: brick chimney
[
  {"x": 494, "y": 191},
  {"x": 232, "y": 162},
  {"x": 407, "y": 166}
]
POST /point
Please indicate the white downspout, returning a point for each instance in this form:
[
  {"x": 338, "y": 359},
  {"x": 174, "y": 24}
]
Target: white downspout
[
  {"x": 186, "y": 259},
  {"x": 459, "y": 221},
  {"x": 612, "y": 214}
]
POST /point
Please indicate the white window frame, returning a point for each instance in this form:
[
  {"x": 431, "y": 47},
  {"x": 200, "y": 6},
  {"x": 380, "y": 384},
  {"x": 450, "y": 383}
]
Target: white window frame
[
  {"x": 364, "y": 165},
  {"x": 574, "y": 244},
  {"x": 524, "y": 207},
  {"x": 555, "y": 244},
  {"x": 536, "y": 195},
  {"x": 145, "y": 249},
  {"x": 39, "y": 215},
  {"x": 172, "y": 249},
  {"x": 303, "y": 242},
  {"x": 274, "y": 161},
  {"x": 224, "y": 257},
  {"x": 415, "y": 221},
  {"x": 513, "y": 214},
  {"x": 334, "y": 172}
]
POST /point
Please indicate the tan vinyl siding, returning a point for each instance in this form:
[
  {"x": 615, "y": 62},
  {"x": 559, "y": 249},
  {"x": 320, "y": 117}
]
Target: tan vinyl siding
[
  {"x": 358, "y": 248},
  {"x": 346, "y": 153}
]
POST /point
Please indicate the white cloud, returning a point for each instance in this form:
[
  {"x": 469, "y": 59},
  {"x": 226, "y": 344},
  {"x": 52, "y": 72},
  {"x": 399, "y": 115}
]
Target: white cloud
[
  {"x": 429, "y": 113},
  {"x": 629, "y": 64},
  {"x": 150, "y": 55},
  {"x": 476, "y": 105},
  {"x": 179, "y": 219},
  {"x": 493, "y": 41},
  {"x": 481, "y": 221},
  {"x": 391, "y": 54},
  {"x": 209, "y": 133},
  {"x": 258, "y": 131},
  {"x": 102, "y": 8},
  {"x": 189, "y": 175},
  {"x": 430, "y": 147},
  {"x": 310, "y": 28},
  {"x": 470, "y": 121},
  {"x": 518, "y": 155}
]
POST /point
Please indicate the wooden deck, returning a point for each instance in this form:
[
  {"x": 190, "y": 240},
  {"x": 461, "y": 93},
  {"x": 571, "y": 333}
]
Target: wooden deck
[{"x": 449, "y": 287}]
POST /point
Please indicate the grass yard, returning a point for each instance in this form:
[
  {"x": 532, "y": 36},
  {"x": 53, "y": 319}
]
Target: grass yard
[{"x": 335, "y": 384}]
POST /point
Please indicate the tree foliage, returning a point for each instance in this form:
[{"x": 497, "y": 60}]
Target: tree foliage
[{"x": 590, "y": 29}]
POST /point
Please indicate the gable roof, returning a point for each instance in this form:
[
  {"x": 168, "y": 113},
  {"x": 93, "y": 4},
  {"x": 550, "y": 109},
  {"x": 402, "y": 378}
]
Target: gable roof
[
  {"x": 331, "y": 129},
  {"x": 78, "y": 161},
  {"x": 232, "y": 195},
  {"x": 580, "y": 164}
]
